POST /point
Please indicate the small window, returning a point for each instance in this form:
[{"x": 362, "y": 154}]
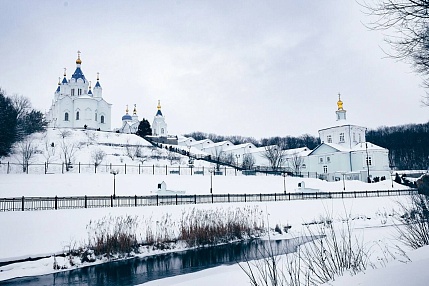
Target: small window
[
  {"x": 325, "y": 169},
  {"x": 162, "y": 130},
  {"x": 66, "y": 116},
  {"x": 77, "y": 115},
  {"x": 102, "y": 119},
  {"x": 329, "y": 138},
  {"x": 96, "y": 117},
  {"x": 368, "y": 161},
  {"x": 72, "y": 92},
  {"x": 321, "y": 160},
  {"x": 328, "y": 159},
  {"x": 341, "y": 137},
  {"x": 304, "y": 166},
  {"x": 79, "y": 91}
]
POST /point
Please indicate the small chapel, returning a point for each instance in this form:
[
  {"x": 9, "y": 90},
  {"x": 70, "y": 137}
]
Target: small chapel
[{"x": 77, "y": 105}]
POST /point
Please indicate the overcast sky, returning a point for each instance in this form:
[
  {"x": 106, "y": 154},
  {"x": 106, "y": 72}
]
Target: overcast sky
[{"x": 250, "y": 68}]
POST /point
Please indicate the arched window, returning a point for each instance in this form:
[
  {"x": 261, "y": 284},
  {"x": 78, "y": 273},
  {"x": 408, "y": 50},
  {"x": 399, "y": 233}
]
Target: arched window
[
  {"x": 95, "y": 116},
  {"x": 102, "y": 118},
  {"x": 162, "y": 130},
  {"x": 66, "y": 116},
  {"x": 77, "y": 115}
]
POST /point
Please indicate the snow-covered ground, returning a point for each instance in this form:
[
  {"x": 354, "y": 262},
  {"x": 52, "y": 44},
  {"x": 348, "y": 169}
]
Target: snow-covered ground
[{"x": 44, "y": 233}]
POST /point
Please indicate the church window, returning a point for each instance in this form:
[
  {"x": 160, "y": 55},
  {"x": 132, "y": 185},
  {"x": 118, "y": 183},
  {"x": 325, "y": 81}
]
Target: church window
[
  {"x": 95, "y": 117},
  {"x": 321, "y": 160},
  {"x": 304, "y": 166},
  {"x": 325, "y": 169},
  {"x": 368, "y": 161},
  {"x": 102, "y": 119},
  {"x": 79, "y": 91},
  {"x": 341, "y": 137},
  {"x": 328, "y": 159},
  {"x": 162, "y": 130},
  {"x": 329, "y": 138},
  {"x": 77, "y": 115},
  {"x": 72, "y": 92},
  {"x": 66, "y": 116}
]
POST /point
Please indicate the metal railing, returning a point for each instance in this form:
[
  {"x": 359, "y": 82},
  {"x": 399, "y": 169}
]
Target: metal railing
[{"x": 80, "y": 202}]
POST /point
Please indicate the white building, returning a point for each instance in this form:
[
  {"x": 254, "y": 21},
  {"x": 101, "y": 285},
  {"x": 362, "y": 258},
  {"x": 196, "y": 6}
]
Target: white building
[
  {"x": 344, "y": 152},
  {"x": 75, "y": 105},
  {"x": 130, "y": 124},
  {"x": 159, "y": 126}
]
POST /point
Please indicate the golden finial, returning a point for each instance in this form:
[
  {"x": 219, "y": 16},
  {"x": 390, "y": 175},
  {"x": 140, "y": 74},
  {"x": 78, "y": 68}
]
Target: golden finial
[
  {"x": 65, "y": 69},
  {"x": 78, "y": 61},
  {"x": 135, "y": 109},
  {"x": 98, "y": 76},
  {"x": 126, "y": 110},
  {"x": 339, "y": 103},
  {"x": 159, "y": 105}
]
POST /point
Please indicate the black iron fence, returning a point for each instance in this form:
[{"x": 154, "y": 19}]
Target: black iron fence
[
  {"x": 58, "y": 203},
  {"x": 81, "y": 168}
]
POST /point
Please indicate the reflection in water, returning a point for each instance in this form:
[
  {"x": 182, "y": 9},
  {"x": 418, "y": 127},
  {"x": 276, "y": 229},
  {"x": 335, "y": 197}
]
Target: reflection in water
[{"x": 140, "y": 270}]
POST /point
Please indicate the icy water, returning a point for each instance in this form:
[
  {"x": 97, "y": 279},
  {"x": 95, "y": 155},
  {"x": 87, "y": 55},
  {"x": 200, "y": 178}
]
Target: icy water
[{"x": 139, "y": 270}]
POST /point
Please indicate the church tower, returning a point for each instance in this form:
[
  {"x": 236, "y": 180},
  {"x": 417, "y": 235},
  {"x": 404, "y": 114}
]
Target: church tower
[{"x": 159, "y": 127}]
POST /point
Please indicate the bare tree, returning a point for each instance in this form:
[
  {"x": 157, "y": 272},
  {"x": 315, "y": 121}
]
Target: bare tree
[
  {"x": 97, "y": 157},
  {"x": 218, "y": 155},
  {"x": 407, "y": 20},
  {"x": 296, "y": 161},
  {"x": 21, "y": 104},
  {"x": 64, "y": 133},
  {"x": 25, "y": 150},
  {"x": 275, "y": 156},
  {"x": 132, "y": 151},
  {"x": 173, "y": 157},
  {"x": 50, "y": 150},
  {"x": 68, "y": 150},
  {"x": 248, "y": 161}
]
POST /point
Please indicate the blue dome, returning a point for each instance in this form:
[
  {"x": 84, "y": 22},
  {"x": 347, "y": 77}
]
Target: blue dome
[
  {"x": 158, "y": 113},
  {"x": 127, "y": 117},
  {"x": 78, "y": 74}
]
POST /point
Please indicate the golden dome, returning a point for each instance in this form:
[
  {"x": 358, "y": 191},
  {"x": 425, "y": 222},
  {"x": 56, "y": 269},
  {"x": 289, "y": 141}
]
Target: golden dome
[
  {"x": 78, "y": 61},
  {"x": 339, "y": 103},
  {"x": 159, "y": 105}
]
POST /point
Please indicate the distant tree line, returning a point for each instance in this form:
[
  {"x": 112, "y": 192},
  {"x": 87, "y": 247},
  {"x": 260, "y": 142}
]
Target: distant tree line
[
  {"x": 17, "y": 120},
  {"x": 288, "y": 142},
  {"x": 408, "y": 145}
]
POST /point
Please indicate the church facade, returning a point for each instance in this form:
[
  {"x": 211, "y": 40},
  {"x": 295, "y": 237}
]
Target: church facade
[
  {"x": 344, "y": 153},
  {"x": 76, "y": 105}
]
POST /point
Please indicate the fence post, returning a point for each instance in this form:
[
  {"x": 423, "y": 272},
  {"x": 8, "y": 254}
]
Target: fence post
[
  {"x": 62, "y": 168},
  {"x": 27, "y": 168},
  {"x": 354, "y": 193},
  {"x": 176, "y": 199},
  {"x": 45, "y": 168},
  {"x": 289, "y": 196},
  {"x": 153, "y": 169},
  {"x": 111, "y": 201},
  {"x": 125, "y": 168},
  {"x": 225, "y": 171},
  {"x": 377, "y": 194},
  {"x": 135, "y": 197},
  {"x": 157, "y": 201},
  {"x": 166, "y": 170},
  {"x": 212, "y": 197},
  {"x": 342, "y": 195},
  {"x": 56, "y": 202},
  {"x": 79, "y": 167},
  {"x": 260, "y": 197},
  {"x": 228, "y": 197},
  {"x": 179, "y": 169},
  {"x": 245, "y": 199},
  {"x": 8, "y": 167},
  {"x": 203, "y": 170},
  {"x": 139, "y": 169},
  {"x": 195, "y": 199},
  {"x": 86, "y": 201},
  {"x": 95, "y": 168},
  {"x": 110, "y": 166},
  {"x": 22, "y": 203}
]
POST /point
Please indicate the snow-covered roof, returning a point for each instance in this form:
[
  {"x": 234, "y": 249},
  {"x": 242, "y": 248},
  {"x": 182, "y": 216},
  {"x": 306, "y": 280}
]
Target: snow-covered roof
[{"x": 239, "y": 146}]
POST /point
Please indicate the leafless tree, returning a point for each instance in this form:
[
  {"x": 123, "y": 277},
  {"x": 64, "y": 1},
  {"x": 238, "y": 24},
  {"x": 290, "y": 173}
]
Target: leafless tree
[
  {"x": 21, "y": 104},
  {"x": 132, "y": 151},
  {"x": 218, "y": 155},
  {"x": 407, "y": 20},
  {"x": 68, "y": 150},
  {"x": 50, "y": 150},
  {"x": 25, "y": 150},
  {"x": 173, "y": 157},
  {"x": 248, "y": 161},
  {"x": 296, "y": 160},
  {"x": 97, "y": 157},
  {"x": 275, "y": 156},
  {"x": 64, "y": 133}
]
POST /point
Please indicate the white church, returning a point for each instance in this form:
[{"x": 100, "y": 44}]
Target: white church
[{"x": 76, "y": 105}]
